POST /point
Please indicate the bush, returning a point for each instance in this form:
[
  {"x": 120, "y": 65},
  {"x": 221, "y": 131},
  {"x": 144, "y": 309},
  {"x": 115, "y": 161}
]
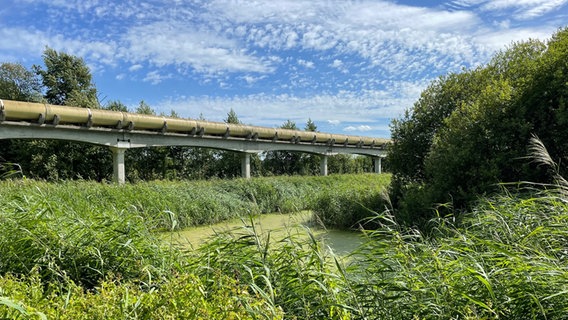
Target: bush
[{"x": 470, "y": 131}]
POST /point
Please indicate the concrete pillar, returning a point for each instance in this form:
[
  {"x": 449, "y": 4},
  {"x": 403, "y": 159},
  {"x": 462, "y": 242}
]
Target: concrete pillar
[
  {"x": 245, "y": 165},
  {"x": 378, "y": 165},
  {"x": 323, "y": 166},
  {"x": 118, "y": 168}
]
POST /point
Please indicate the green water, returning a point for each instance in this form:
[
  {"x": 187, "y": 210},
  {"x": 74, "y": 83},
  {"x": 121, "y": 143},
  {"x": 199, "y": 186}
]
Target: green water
[{"x": 279, "y": 226}]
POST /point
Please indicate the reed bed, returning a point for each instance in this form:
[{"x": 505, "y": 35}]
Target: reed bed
[
  {"x": 506, "y": 259},
  {"x": 169, "y": 205}
]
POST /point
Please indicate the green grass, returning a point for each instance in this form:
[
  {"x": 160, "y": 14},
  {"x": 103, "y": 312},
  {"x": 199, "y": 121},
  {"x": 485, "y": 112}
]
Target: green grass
[
  {"x": 175, "y": 204},
  {"x": 506, "y": 259}
]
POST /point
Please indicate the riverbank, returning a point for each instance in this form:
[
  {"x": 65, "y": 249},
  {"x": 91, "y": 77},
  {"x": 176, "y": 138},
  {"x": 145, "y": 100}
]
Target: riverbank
[
  {"x": 169, "y": 205},
  {"x": 64, "y": 260}
]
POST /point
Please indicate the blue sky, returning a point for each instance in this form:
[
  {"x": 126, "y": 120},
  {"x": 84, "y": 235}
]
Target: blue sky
[{"x": 350, "y": 66}]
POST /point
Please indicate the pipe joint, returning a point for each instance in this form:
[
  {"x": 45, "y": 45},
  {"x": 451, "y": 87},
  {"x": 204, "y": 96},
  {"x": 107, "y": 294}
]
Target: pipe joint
[
  {"x": 164, "y": 127},
  {"x": 89, "y": 118},
  {"x": 2, "y": 112}
]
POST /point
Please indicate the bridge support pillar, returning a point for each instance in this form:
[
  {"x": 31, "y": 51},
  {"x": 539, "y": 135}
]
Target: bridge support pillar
[
  {"x": 323, "y": 166},
  {"x": 245, "y": 165},
  {"x": 118, "y": 168},
  {"x": 378, "y": 164}
]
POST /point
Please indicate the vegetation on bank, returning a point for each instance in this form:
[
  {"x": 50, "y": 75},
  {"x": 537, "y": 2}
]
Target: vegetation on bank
[
  {"x": 470, "y": 131},
  {"x": 65, "y": 260},
  {"x": 178, "y": 204},
  {"x": 69, "y": 247}
]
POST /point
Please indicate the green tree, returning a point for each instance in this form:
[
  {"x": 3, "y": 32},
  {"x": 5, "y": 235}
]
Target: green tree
[
  {"x": 232, "y": 117},
  {"x": 311, "y": 126},
  {"x": 283, "y": 162},
  {"x": 144, "y": 108},
  {"x": 18, "y": 83},
  {"x": 67, "y": 80},
  {"x": 116, "y": 106},
  {"x": 470, "y": 131}
]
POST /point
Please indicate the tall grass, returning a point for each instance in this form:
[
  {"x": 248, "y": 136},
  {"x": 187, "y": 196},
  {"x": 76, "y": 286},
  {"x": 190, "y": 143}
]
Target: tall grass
[
  {"x": 64, "y": 242},
  {"x": 294, "y": 275},
  {"x": 189, "y": 203},
  {"x": 348, "y": 206},
  {"x": 9, "y": 169},
  {"x": 506, "y": 259}
]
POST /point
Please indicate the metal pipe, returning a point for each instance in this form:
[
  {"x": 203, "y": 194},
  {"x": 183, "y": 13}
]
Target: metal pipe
[{"x": 54, "y": 114}]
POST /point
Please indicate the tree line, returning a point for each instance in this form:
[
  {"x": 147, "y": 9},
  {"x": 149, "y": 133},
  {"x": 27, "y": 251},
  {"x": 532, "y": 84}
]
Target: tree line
[
  {"x": 469, "y": 132},
  {"x": 65, "y": 79}
]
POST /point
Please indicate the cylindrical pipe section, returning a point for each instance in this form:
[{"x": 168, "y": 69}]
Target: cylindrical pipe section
[
  {"x": 286, "y": 134},
  {"x": 212, "y": 128},
  {"x": 265, "y": 133},
  {"x": 71, "y": 115},
  {"x": 340, "y": 138},
  {"x": 27, "y": 111},
  {"x": 106, "y": 118},
  {"x": 180, "y": 125},
  {"x": 143, "y": 121},
  {"x": 240, "y": 130}
]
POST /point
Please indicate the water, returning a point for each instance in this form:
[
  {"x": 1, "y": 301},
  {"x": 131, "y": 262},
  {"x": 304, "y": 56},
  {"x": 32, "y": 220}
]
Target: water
[{"x": 279, "y": 226}]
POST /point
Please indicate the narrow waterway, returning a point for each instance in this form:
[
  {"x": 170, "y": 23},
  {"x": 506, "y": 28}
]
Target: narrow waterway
[{"x": 279, "y": 226}]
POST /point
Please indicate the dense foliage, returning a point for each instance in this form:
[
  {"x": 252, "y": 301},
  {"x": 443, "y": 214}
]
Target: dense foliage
[
  {"x": 166, "y": 205},
  {"x": 470, "y": 130},
  {"x": 505, "y": 259}
]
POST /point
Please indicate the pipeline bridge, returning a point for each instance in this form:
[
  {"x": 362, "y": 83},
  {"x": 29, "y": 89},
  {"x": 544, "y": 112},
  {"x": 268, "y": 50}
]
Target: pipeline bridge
[{"x": 121, "y": 131}]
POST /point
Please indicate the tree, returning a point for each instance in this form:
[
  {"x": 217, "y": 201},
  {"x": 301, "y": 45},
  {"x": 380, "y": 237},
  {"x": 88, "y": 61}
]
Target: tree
[
  {"x": 144, "y": 108},
  {"x": 311, "y": 126},
  {"x": 18, "y": 83},
  {"x": 283, "y": 162},
  {"x": 232, "y": 117},
  {"x": 67, "y": 79},
  {"x": 116, "y": 106},
  {"x": 470, "y": 131}
]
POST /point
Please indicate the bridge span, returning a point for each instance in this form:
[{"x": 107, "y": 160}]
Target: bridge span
[{"x": 122, "y": 130}]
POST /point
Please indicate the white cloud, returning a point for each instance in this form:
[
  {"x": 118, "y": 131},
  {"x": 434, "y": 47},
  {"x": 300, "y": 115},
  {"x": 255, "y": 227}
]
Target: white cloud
[
  {"x": 33, "y": 43},
  {"x": 154, "y": 77},
  {"x": 164, "y": 43},
  {"x": 362, "y": 128},
  {"x": 337, "y": 63},
  {"x": 525, "y": 9},
  {"x": 273, "y": 109},
  {"x": 305, "y": 63},
  {"x": 135, "y": 67},
  {"x": 498, "y": 40}
]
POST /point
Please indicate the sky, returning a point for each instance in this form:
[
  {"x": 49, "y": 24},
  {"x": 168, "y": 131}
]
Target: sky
[{"x": 349, "y": 66}]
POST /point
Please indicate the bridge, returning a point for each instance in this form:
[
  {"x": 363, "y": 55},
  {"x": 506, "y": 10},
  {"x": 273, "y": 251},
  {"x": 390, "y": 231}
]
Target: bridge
[{"x": 121, "y": 131}]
